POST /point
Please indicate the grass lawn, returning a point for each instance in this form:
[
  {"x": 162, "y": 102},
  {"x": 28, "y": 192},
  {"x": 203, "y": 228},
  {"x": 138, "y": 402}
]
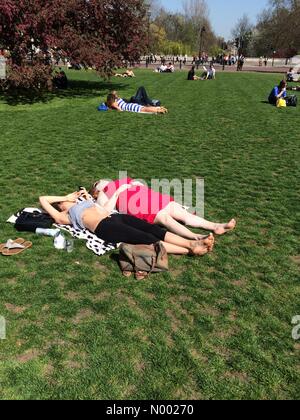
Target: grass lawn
[{"x": 212, "y": 328}]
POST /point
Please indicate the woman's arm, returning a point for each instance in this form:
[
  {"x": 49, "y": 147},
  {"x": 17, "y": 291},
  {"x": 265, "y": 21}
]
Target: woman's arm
[
  {"x": 281, "y": 93},
  {"x": 116, "y": 107},
  {"x": 59, "y": 217},
  {"x": 112, "y": 202},
  {"x": 102, "y": 199}
]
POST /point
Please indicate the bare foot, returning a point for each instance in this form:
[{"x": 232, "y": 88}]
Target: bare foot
[
  {"x": 225, "y": 228},
  {"x": 203, "y": 247},
  {"x": 199, "y": 237}
]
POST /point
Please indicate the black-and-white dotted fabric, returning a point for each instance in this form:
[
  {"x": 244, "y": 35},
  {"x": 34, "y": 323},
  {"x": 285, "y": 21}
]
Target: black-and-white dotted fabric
[{"x": 93, "y": 243}]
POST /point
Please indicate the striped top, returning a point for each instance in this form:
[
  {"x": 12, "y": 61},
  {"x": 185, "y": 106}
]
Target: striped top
[{"x": 129, "y": 107}]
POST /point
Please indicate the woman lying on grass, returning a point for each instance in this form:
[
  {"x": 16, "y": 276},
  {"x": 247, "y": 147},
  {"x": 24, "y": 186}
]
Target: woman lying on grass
[
  {"x": 126, "y": 74},
  {"x": 118, "y": 228},
  {"x": 154, "y": 208},
  {"x": 294, "y": 88},
  {"x": 118, "y": 104}
]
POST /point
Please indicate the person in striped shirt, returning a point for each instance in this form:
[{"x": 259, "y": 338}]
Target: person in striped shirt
[{"x": 118, "y": 104}]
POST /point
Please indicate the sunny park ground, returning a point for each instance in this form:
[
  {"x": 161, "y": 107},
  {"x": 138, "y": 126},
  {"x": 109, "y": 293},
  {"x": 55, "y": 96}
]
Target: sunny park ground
[{"x": 215, "y": 327}]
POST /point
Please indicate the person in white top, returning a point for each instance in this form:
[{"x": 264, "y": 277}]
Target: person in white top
[{"x": 209, "y": 74}]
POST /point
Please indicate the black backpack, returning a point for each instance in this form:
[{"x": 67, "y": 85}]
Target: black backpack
[
  {"x": 30, "y": 222},
  {"x": 292, "y": 100}
]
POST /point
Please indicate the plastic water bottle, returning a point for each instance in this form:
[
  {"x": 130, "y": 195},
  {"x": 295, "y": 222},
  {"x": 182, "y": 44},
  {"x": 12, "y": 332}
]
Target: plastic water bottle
[
  {"x": 47, "y": 232},
  {"x": 60, "y": 242},
  {"x": 70, "y": 245}
]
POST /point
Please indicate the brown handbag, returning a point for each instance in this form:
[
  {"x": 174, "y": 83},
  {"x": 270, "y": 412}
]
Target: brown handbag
[{"x": 144, "y": 258}]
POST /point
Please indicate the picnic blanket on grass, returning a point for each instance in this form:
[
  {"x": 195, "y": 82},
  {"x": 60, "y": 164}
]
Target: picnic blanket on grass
[{"x": 93, "y": 243}]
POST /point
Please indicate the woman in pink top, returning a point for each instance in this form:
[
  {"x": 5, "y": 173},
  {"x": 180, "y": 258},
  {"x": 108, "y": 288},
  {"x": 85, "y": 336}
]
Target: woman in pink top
[{"x": 144, "y": 203}]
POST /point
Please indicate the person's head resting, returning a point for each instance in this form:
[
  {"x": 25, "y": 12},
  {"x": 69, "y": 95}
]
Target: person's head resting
[
  {"x": 63, "y": 206},
  {"x": 97, "y": 187},
  {"x": 111, "y": 99},
  {"x": 282, "y": 85}
]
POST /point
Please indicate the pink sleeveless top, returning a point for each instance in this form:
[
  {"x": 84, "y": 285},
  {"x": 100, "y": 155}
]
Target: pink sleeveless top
[{"x": 141, "y": 202}]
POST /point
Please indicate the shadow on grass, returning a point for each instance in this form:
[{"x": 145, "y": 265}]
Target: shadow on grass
[{"x": 77, "y": 89}]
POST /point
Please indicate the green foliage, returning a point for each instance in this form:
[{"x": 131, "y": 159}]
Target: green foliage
[{"x": 218, "y": 327}]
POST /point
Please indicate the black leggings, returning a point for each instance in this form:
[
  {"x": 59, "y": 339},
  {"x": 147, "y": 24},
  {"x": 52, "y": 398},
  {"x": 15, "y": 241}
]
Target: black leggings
[{"x": 130, "y": 230}]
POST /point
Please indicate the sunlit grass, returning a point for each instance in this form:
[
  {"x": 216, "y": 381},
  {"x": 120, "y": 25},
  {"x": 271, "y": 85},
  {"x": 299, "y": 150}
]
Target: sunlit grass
[{"x": 217, "y": 327}]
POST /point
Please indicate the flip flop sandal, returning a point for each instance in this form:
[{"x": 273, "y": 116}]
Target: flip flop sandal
[
  {"x": 18, "y": 241},
  {"x": 15, "y": 247}
]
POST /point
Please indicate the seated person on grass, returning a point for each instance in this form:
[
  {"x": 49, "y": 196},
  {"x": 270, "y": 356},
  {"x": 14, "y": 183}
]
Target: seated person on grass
[
  {"x": 290, "y": 75},
  {"x": 60, "y": 79},
  {"x": 278, "y": 92},
  {"x": 209, "y": 74},
  {"x": 170, "y": 68},
  {"x": 117, "y": 104},
  {"x": 192, "y": 74},
  {"x": 162, "y": 69},
  {"x": 155, "y": 208}
]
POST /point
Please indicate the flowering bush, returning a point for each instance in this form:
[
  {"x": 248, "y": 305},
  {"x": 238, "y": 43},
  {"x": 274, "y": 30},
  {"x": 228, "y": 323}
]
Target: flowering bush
[{"x": 94, "y": 33}]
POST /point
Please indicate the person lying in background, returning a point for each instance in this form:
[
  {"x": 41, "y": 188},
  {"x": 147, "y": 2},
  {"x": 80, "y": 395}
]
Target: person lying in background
[
  {"x": 118, "y": 228},
  {"x": 126, "y": 74},
  {"x": 118, "y": 104},
  {"x": 293, "y": 88},
  {"x": 154, "y": 208},
  {"x": 278, "y": 92},
  {"x": 141, "y": 98}
]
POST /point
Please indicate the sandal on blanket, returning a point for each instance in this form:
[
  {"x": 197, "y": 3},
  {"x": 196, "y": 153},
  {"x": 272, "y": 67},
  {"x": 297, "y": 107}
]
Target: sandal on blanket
[{"x": 14, "y": 247}]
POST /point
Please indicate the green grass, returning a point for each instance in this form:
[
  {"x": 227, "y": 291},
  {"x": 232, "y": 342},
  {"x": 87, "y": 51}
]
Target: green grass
[{"x": 215, "y": 328}]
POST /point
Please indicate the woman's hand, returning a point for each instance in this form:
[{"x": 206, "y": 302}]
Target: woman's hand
[
  {"x": 84, "y": 194},
  {"x": 72, "y": 198}
]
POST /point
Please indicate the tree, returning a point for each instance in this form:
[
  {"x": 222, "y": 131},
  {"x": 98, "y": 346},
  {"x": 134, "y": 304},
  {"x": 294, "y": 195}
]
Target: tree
[
  {"x": 184, "y": 29},
  {"x": 157, "y": 39},
  {"x": 243, "y": 33},
  {"x": 278, "y": 29},
  {"x": 200, "y": 33},
  {"x": 94, "y": 33}
]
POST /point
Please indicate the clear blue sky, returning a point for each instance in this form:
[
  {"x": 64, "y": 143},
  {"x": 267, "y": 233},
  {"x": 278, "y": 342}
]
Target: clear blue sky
[{"x": 225, "y": 13}]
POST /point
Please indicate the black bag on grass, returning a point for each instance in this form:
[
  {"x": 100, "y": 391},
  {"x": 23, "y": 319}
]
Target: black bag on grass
[
  {"x": 30, "y": 222},
  {"x": 292, "y": 100}
]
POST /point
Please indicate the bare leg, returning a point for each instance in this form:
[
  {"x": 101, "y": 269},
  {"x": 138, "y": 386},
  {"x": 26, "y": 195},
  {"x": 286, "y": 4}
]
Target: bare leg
[
  {"x": 180, "y": 214},
  {"x": 175, "y": 250},
  {"x": 155, "y": 110},
  {"x": 164, "y": 219},
  {"x": 193, "y": 247}
]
